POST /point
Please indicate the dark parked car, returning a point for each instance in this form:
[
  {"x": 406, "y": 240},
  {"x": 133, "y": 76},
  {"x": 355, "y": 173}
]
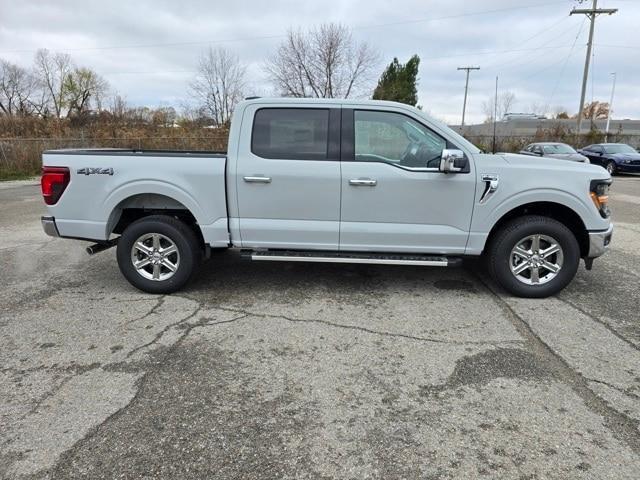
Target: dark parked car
[
  {"x": 615, "y": 157},
  {"x": 554, "y": 150}
]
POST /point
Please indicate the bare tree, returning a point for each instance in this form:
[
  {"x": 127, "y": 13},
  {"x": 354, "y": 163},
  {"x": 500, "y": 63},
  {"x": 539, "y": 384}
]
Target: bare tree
[
  {"x": 52, "y": 71},
  {"x": 595, "y": 110},
  {"x": 323, "y": 62},
  {"x": 506, "y": 101},
  {"x": 164, "y": 116},
  {"x": 118, "y": 106},
  {"x": 81, "y": 86},
  {"x": 559, "y": 112},
  {"x": 17, "y": 89},
  {"x": 219, "y": 84},
  {"x": 541, "y": 109}
]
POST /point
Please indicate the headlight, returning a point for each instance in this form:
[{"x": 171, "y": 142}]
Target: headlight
[{"x": 600, "y": 196}]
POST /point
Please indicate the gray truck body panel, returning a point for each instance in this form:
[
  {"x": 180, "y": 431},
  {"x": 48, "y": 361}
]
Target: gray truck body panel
[
  {"x": 92, "y": 203},
  {"x": 313, "y": 205}
]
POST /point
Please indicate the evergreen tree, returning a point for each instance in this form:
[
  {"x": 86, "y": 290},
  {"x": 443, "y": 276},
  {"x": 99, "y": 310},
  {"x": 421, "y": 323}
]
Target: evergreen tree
[{"x": 399, "y": 82}]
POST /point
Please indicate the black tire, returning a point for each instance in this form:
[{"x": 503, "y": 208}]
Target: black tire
[
  {"x": 611, "y": 167},
  {"x": 189, "y": 253},
  {"x": 510, "y": 234}
]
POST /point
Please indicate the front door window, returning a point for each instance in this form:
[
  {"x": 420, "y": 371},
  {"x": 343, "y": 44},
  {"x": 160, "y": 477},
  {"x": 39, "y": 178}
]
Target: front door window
[{"x": 395, "y": 139}]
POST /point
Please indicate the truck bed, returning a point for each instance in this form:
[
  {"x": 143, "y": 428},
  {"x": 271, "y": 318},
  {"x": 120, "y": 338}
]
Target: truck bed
[{"x": 106, "y": 181}]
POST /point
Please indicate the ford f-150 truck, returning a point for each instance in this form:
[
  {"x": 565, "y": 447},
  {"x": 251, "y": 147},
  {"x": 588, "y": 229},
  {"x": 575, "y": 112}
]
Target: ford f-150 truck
[{"x": 344, "y": 181}]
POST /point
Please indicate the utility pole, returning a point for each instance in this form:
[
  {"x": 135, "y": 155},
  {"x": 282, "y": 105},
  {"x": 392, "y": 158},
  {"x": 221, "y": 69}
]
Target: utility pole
[
  {"x": 613, "y": 90},
  {"x": 466, "y": 88},
  {"x": 591, "y": 13}
]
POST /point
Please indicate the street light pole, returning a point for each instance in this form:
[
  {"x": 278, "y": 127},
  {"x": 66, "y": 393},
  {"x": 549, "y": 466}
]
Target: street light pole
[
  {"x": 495, "y": 115},
  {"x": 466, "y": 88},
  {"x": 613, "y": 91}
]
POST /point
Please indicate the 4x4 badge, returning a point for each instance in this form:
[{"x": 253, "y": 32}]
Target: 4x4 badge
[{"x": 95, "y": 171}]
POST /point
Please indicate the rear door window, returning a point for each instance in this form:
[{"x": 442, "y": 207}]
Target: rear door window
[{"x": 291, "y": 133}]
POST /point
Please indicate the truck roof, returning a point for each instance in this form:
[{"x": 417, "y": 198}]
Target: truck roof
[
  {"x": 323, "y": 101},
  {"x": 349, "y": 102}
]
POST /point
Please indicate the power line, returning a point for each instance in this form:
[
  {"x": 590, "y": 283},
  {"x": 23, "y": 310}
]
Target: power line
[
  {"x": 550, "y": 65},
  {"x": 266, "y": 37},
  {"x": 544, "y": 30},
  {"x": 494, "y": 52},
  {"x": 566, "y": 62},
  {"x": 436, "y": 57},
  {"x": 528, "y": 59},
  {"x": 460, "y": 15},
  {"x": 540, "y": 71},
  {"x": 616, "y": 46},
  {"x": 466, "y": 54},
  {"x": 527, "y": 40}
]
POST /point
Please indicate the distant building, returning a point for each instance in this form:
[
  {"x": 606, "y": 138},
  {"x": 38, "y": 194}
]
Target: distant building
[
  {"x": 522, "y": 116},
  {"x": 525, "y": 126}
]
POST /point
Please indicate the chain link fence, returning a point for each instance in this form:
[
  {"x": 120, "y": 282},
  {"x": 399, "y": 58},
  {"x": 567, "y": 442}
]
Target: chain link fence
[{"x": 22, "y": 157}]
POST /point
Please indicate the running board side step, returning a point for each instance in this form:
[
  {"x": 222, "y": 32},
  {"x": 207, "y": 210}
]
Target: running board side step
[{"x": 353, "y": 257}]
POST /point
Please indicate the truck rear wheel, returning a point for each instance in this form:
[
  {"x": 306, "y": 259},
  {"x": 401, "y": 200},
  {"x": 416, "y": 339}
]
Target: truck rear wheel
[
  {"x": 533, "y": 256},
  {"x": 158, "y": 254}
]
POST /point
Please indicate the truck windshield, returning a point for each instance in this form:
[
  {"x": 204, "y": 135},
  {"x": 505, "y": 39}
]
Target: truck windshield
[{"x": 618, "y": 148}]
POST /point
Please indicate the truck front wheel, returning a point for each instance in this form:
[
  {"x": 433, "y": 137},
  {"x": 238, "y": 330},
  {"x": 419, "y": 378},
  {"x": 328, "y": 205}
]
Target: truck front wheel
[
  {"x": 533, "y": 256},
  {"x": 158, "y": 254}
]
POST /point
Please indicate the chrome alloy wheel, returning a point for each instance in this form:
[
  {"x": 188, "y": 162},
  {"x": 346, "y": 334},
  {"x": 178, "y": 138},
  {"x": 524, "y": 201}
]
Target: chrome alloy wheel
[
  {"x": 155, "y": 257},
  {"x": 536, "y": 259}
]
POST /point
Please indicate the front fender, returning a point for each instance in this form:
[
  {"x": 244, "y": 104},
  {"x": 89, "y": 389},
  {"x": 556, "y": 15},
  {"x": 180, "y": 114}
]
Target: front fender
[
  {"x": 583, "y": 207},
  {"x": 486, "y": 216}
]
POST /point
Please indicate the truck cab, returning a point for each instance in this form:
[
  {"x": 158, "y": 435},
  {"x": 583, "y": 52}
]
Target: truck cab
[{"x": 338, "y": 181}]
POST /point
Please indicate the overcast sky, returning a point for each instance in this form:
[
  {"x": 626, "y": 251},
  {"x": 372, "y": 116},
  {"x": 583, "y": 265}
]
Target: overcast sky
[{"x": 148, "y": 49}]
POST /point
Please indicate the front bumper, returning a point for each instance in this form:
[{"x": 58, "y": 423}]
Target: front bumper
[
  {"x": 49, "y": 226},
  {"x": 599, "y": 242},
  {"x": 628, "y": 167}
]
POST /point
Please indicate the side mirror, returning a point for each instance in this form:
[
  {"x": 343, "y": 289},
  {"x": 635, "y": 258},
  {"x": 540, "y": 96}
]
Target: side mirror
[{"x": 453, "y": 161}]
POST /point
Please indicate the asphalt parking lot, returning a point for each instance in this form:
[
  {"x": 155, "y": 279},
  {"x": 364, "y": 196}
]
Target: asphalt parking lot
[{"x": 313, "y": 371}]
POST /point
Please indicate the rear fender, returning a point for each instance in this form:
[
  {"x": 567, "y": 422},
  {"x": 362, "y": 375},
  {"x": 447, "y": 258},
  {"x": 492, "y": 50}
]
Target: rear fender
[{"x": 176, "y": 198}]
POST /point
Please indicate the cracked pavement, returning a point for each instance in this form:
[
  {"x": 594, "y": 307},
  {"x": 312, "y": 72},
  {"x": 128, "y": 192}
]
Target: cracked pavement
[{"x": 285, "y": 370}]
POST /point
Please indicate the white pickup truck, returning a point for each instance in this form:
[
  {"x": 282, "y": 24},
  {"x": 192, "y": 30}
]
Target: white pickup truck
[{"x": 343, "y": 181}]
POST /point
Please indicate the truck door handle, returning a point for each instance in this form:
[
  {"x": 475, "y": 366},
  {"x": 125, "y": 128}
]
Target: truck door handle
[
  {"x": 363, "y": 182},
  {"x": 257, "y": 179}
]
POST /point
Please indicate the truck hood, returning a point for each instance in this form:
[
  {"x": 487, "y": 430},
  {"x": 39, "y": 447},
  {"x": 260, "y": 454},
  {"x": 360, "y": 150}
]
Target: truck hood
[
  {"x": 546, "y": 163},
  {"x": 575, "y": 157}
]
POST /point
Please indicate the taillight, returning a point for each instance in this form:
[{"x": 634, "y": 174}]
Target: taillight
[
  {"x": 53, "y": 182},
  {"x": 600, "y": 196}
]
